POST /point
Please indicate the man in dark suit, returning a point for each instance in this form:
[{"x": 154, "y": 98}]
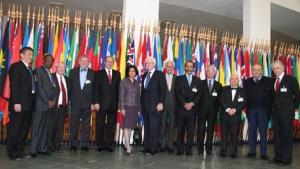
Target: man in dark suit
[
  {"x": 232, "y": 99},
  {"x": 57, "y": 119},
  {"x": 81, "y": 92},
  {"x": 259, "y": 103},
  {"x": 188, "y": 93},
  {"x": 106, "y": 97},
  {"x": 152, "y": 100},
  {"x": 285, "y": 107},
  {"x": 45, "y": 103},
  {"x": 167, "y": 132},
  {"x": 209, "y": 108},
  {"x": 21, "y": 103}
]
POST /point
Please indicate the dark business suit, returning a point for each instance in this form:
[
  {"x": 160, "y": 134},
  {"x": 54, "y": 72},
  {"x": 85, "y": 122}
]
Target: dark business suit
[
  {"x": 21, "y": 88},
  {"x": 153, "y": 94},
  {"x": 209, "y": 108},
  {"x": 167, "y": 132},
  {"x": 46, "y": 89},
  {"x": 186, "y": 93},
  {"x": 230, "y": 124},
  {"x": 258, "y": 106},
  {"x": 107, "y": 96},
  {"x": 285, "y": 101},
  {"x": 57, "y": 119},
  {"x": 80, "y": 101}
]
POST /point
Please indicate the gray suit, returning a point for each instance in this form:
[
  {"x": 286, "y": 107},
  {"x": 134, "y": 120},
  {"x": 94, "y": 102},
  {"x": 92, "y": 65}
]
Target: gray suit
[
  {"x": 46, "y": 89},
  {"x": 167, "y": 133}
]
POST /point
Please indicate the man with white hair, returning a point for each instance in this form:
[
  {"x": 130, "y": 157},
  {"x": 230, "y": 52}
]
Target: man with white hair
[
  {"x": 152, "y": 101},
  {"x": 57, "y": 119},
  {"x": 232, "y": 100},
  {"x": 167, "y": 132},
  {"x": 209, "y": 108},
  {"x": 285, "y": 108}
]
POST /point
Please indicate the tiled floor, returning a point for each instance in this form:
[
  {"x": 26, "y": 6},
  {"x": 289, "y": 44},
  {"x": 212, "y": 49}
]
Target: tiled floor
[{"x": 118, "y": 160}]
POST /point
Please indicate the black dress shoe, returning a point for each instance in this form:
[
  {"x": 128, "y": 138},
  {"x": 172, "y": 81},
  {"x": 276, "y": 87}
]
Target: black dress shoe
[
  {"x": 162, "y": 150},
  {"x": 209, "y": 153},
  {"x": 33, "y": 155},
  {"x": 73, "y": 148},
  {"x": 188, "y": 153},
  {"x": 233, "y": 156},
  {"x": 110, "y": 150},
  {"x": 264, "y": 157},
  {"x": 24, "y": 155},
  {"x": 99, "y": 149},
  {"x": 200, "y": 152},
  {"x": 171, "y": 151},
  {"x": 283, "y": 164},
  {"x": 86, "y": 149},
  {"x": 222, "y": 155},
  {"x": 251, "y": 155},
  {"x": 274, "y": 161},
  {"x": 45, "y": 153},
  {"x": 179, "y": 153}
]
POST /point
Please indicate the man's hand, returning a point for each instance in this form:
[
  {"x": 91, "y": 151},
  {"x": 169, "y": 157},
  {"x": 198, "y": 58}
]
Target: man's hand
[
  {"x": 51, "y": 104},
  {"x": 17, "y": 107},
  {"x": 92, "y": 107},
  {"x": 97, "y": 106},
  {"x": 123, "y": 112},
  {"x": 188, "y": 106},
  {"x": 159, "y": 107},
  {"x": 231, "y": 112}
]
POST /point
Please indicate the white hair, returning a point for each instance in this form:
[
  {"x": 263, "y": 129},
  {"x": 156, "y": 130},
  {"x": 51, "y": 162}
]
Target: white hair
[
  {"x": 169, "y": 61},
  {"x": 150, "y": 59},
  {"x": 277, "y": 62}
]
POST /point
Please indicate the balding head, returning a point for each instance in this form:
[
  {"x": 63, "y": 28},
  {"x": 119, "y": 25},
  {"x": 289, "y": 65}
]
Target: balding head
[
  {"x": 256, "y": 71},
  {"x": 234, "y": 80}
]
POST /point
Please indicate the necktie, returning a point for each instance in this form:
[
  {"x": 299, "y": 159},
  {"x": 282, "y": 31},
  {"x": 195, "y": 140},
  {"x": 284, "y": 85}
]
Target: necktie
[
  {"x": 209, "y": 86},
  {"x": 32, "y": 79},
  {"x": 147, "y": 80},
  {"x": 169, "y": 80},
  {"x": 63, "y": 91},
  {"x": 109, "y": 76},
  {"x": 277, "y": 84}
]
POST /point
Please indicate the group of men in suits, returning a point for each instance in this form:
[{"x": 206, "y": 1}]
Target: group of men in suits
[{"x": 168, "y": 103}]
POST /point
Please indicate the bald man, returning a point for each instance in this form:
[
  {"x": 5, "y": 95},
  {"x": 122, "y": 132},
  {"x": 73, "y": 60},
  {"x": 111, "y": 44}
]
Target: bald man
[
  {"x": 232, "y": 100},
  {"x": 259, "y": 103}
]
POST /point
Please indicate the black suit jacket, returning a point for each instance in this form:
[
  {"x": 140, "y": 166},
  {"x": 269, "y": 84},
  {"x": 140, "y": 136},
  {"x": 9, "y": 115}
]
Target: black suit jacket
[
  {"x": 238, "y": 103},
  {"x": 107, "y": 95},
  {"x": 155, "y": 92},
  {"x": 20, "y": 87},
  {"x": 210, "y": 102},
  {"x": 285, "y": 102},
  {"x": 252, "y": 94},
  {"x": 81, "y": 98},
  {"x": 57, "y": 92},
  {"x": 186, "y": 94}
]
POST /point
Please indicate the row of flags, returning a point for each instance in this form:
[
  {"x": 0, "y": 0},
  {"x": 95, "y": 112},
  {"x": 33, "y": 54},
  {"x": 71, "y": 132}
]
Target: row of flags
[{"x": 68, "y": 41}]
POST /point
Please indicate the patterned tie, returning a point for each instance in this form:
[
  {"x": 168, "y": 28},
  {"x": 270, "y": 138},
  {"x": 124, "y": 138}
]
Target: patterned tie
[
  {"x": 209, "y": 86},
  {"x": 64, "y": 93},
  {"x": 277, "y": 84},
  {"x": 32, "y": 79},
  {"x": 147, "y": 80},
  {"x": 109, "y": 77}
]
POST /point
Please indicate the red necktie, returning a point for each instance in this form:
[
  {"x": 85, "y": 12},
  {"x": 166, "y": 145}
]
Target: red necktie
[
  {"x": 277, "y": 84},
  {"x": 64, "y": 93},
  {"x": 109, "y": 77}
]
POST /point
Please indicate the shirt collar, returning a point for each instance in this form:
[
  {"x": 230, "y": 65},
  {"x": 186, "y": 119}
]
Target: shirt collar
[
  {"x": 256, "y": 80},
  {"x": 281, "y": 76},
  {"x": 26, "y": 64},
  {"x": 58, "y": 75},
  {"x": 108, "y": 70}
]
